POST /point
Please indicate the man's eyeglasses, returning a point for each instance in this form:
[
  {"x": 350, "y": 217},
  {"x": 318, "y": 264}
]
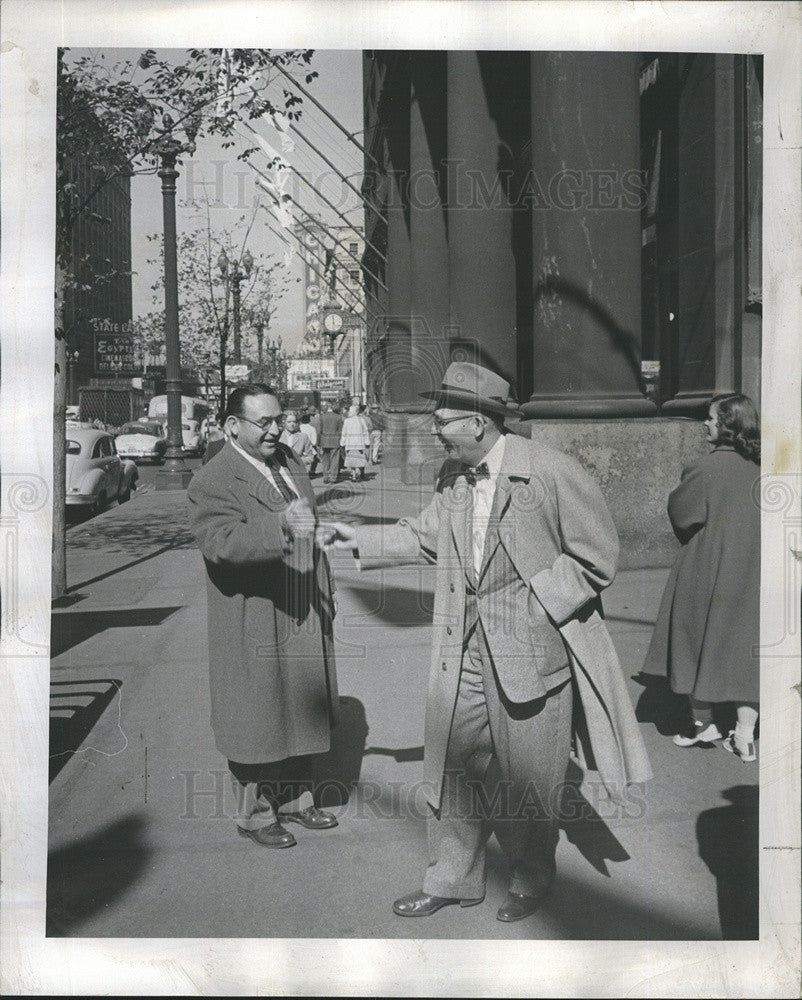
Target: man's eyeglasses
[
  {"x": 266, "y": 422},
  {"x": 439, "y": 422}
]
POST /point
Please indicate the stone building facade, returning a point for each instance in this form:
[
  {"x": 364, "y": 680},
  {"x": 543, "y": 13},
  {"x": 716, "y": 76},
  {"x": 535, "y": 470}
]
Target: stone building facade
[{"x": 586, "y": 223}]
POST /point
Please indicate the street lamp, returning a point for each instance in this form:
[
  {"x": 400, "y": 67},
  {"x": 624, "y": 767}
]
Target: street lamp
[
  {"x": 274, "y": 347},
  {"x": 234, "y": 277},
  {"x": 72, "y": 361},
  {"x": 175, "y": 474}
]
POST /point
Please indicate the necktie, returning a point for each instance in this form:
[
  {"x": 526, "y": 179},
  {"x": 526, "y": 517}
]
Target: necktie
[
  {"x": 281, "y": 483},
  {"x": 475, "y": 472}
]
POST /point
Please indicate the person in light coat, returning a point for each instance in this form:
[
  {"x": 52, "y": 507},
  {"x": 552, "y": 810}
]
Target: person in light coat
[
  {"x": 524, "y": 546},
  {"x": 355, "y": 441}
]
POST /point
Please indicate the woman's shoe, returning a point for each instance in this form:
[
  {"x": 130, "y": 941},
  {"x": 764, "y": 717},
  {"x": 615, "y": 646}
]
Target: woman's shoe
[
  {"x": 745, "y": 749},
  {"x": 698, "y": 733}
]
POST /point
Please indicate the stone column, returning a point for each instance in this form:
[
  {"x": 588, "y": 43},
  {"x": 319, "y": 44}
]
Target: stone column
[
  {"x": 585, "y": 197},
  {"x": 398, "y": 357},
  {"x": 482, "y": 266},
  {"x": 427, "y": 201},
  {"x": 710, "y": 235}
]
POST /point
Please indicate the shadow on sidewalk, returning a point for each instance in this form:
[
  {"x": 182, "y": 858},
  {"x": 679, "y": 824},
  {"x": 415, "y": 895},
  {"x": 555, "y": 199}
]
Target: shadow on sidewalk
[
  {"x": 75, "y": 707},
  {"x": 69, "y": 628},
  {"x": 585, "y": 828},
  {"x": 337, "y": 772},
  {"x": 401, "y": 606},
  {"x": 658, "y": 704},
  {"x": 143, "y": 535},
  {"x": 729, "y": 846},
  {"x": 90, "y": 874}
]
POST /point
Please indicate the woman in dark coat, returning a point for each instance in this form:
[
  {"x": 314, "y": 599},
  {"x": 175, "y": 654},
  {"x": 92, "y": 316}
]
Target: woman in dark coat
[{"x": 707, "y": 633}]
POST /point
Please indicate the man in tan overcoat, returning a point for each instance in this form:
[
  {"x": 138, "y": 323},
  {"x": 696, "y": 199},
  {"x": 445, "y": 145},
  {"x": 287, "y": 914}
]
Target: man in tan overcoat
[
  {"x": 270, "y": 609},
  {"x": 524, "y": 545}
]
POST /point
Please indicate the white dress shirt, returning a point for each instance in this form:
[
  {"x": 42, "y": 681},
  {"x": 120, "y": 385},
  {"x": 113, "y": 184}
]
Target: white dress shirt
[
  {"x": 483, "y": 493},
  {"x": 266, "y": 470}
]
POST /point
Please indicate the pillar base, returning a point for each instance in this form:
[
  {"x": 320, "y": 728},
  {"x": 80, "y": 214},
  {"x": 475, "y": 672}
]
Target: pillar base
[
  {"x": 687, "y": 404},
  {"x": 171, "y": 480},
  {"x": 563, "y": 406}
]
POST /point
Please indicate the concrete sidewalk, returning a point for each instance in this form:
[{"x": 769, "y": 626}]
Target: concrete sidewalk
[{"x": 141, "y": 839}]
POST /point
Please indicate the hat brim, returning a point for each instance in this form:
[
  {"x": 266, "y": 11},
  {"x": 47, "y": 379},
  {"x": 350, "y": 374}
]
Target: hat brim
[{"x": 460, "y": 400}]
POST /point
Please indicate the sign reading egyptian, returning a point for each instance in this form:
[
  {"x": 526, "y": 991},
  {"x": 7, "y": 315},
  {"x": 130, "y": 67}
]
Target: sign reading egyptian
[{"x": 114, "y": 355}]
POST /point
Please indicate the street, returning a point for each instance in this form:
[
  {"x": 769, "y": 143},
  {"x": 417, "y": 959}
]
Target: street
[{"x": 142, "y": 842}]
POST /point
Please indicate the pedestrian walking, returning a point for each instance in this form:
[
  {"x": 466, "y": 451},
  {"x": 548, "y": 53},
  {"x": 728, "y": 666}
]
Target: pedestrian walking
[
  {"x": 294, "y": 437},
  {"x": 331, "y": 425},
  {"x": 375, "y": 437},
  {"x": 355, "y": 441},
  {"x": 270, "y": 613},
  {"x": 308, "y": 428},
  {"x": 215, "y": 439},
  {"x": 707, "y": 635},
  {"x": 524, "y": 546}
]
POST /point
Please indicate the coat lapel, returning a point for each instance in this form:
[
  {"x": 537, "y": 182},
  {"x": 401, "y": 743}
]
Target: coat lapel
[
  {"x": 255, "y": 484},
  {"x": 460, "y": 503},
  {"x": 512, "y": 499}
]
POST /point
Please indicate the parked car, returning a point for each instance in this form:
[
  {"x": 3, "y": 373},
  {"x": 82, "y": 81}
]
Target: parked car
[
  {"x": 96, "y": 474},
  {"x": 193, "y": 439},
  {"x": 143, "y": 441}
]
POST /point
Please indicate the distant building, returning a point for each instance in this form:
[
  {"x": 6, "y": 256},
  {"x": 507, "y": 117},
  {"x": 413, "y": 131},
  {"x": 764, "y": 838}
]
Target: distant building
[
  {"x": 98, "y": 299},
  {"x": 334, "y": 296},
  {"x": 586, "y": 223}
]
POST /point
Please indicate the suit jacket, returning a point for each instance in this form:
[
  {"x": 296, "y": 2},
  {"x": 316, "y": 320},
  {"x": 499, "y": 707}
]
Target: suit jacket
[
  {"x": 331, "y": 425},
  {"x": 270, "y": 611},
  {"x": 543, "y": 621}
]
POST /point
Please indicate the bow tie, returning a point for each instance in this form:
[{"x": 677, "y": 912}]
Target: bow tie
[{"x": 476, "y": 472}]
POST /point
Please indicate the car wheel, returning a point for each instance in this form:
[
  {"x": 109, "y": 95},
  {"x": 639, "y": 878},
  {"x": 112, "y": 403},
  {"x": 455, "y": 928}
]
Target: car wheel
[
  {"x": 101, "y": 502},
  {"x": 125, "y": 496}
]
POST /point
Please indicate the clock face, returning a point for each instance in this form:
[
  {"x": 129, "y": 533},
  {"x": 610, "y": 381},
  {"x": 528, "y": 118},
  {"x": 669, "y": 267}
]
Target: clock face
[{"x": 333, "y": 322}]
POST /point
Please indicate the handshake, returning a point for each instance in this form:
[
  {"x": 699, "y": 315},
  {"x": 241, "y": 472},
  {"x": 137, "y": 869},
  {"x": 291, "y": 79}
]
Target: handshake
[{"x": 300, "y": 521}]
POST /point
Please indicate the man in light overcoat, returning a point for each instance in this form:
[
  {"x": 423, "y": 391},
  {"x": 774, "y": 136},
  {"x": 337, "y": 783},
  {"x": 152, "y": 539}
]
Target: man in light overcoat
[
  {"x": 524, "y": 545},
  {"x": 270, "y": 613}
]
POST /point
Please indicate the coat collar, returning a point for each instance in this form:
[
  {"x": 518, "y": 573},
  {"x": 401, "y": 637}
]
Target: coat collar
[
  {"x": 256, "y": 482},
  {"x": 515, "y": 468}
]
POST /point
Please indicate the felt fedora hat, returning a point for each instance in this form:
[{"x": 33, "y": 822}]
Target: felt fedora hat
[{"x": 466, "y": 386}]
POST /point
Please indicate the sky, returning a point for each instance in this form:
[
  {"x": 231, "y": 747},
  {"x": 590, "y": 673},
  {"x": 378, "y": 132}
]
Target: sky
[{"x": 230, "y": 186}]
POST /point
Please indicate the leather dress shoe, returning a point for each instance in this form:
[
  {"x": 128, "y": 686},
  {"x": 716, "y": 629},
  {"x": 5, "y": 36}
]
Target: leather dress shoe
[
  {"x": 312, "y": 818},
  {"x": 273, "y": 835},
  {"x": 517, "y": 906},
  {"x": 421, "y": 904}
]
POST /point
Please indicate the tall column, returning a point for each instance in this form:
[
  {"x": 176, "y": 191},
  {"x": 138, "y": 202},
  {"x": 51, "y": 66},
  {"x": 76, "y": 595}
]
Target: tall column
[
  {"x": 710, "y": 236},
  {"x": 481, "y": 169},
  {"x": 427, "y": 201},
  {"x": 584, "y": 192},
  {"x": 399, "y": 369}
]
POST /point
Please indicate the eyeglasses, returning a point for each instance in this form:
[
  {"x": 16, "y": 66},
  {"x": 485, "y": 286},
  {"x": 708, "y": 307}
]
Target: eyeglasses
[
  {"x": 266, "y": 422},
  {"x": 439, "y": 423}
]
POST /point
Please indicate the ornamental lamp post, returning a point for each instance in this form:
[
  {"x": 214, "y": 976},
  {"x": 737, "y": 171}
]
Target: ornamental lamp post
[
  {"x": 175, "y": 474},
  {"x": 234, "y": 277}
]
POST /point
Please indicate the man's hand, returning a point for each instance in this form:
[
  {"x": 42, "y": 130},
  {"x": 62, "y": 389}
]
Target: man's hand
[
  {"x": 336, "y": 535},
  {"x": 300, "y": 519}
]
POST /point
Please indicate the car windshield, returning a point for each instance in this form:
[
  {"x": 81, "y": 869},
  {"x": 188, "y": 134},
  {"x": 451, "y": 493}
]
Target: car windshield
[{"x": 151, "y": 429}]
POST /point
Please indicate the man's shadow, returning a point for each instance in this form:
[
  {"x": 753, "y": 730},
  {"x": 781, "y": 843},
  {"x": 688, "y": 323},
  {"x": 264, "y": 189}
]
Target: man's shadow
[
  {"x": 337, "y": 772},
  {"x": 729, "y": 846},
  {"x": 585, "y": 828}
]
